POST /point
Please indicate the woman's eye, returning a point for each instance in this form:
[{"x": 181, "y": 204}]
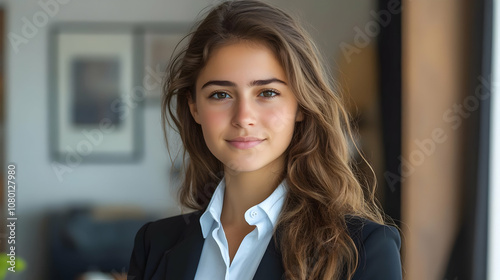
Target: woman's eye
[
  {"x": 268, "y": 93},
  {"x": 220, "y": 95}
]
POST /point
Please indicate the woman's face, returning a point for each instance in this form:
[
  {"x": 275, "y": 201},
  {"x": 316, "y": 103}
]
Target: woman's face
[{"x": 245, "y": 107}]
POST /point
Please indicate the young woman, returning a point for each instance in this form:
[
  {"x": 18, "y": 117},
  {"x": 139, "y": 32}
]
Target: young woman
[{"x": 268, "y": 169}]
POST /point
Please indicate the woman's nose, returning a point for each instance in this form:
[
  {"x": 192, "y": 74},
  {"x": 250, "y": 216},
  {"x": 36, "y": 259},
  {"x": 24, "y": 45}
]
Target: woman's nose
[{"x": 244, "y": 113}]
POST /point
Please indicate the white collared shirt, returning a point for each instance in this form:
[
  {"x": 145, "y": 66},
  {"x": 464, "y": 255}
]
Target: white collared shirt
[{"x": 214, "y": 261}]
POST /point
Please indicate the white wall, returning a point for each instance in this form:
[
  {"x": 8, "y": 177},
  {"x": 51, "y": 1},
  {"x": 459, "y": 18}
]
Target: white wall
[{"x": 144, "y": 183}]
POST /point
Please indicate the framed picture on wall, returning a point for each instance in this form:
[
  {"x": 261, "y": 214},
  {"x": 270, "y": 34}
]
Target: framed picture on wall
[
  {"x": 95, "y": 115},
  {"x": 160, "y": 43}
]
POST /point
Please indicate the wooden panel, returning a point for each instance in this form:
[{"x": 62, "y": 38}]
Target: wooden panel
[{"x": 434, "y": 60}]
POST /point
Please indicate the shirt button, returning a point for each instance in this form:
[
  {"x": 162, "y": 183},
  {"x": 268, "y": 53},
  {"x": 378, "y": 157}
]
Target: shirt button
[{"x": 253, "y": 214}]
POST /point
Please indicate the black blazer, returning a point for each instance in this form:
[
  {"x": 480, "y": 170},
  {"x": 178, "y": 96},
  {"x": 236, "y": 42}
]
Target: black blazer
[{"x": 170, "y": 249}]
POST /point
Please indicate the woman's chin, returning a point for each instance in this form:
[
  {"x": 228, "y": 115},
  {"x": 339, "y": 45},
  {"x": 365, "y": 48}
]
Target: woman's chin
[{"x": 240, "y": 167}]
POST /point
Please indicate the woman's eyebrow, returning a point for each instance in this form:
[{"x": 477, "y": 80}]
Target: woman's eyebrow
[
  {"x": 219, "y": 83},
  {"x": 266, "y": 82},
  {"x": 252, "y": 83}
]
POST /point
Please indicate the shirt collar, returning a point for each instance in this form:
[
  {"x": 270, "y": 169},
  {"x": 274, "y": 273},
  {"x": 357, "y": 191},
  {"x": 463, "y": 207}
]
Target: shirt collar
[
  {"x": 271, "y": 206},
  {"x": 214, "y": 209}
]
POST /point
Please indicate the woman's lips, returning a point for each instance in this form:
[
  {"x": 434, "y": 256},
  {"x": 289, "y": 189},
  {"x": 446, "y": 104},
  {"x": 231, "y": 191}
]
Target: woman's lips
[{"x": 245, "y": 142}]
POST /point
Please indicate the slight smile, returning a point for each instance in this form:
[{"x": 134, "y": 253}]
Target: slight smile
[{"x": 245, "y": 142}]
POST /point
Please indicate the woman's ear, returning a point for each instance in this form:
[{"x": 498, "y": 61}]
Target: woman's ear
[{"x": 192, "y": 108}]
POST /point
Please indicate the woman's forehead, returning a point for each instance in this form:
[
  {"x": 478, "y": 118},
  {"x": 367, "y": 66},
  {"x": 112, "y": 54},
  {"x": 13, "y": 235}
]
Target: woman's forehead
[{"x": 242, "y": 62}]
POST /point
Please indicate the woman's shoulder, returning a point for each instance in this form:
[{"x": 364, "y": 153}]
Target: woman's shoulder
[
  {"x": 361, "y": 229},
  {"x": 169, "y": 229},
  {"x": 378, "y": 247},
  {"x": 154, "y": 238},
  {"x": 173, "y": 223}
]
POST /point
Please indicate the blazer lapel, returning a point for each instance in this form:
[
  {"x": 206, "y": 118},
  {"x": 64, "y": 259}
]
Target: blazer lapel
[
  {"x": 184, "y": 257},
  {"x": 271, "y": 265}
]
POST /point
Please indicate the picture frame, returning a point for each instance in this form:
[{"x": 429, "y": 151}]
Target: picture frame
[{"x": 95, "y": 107}]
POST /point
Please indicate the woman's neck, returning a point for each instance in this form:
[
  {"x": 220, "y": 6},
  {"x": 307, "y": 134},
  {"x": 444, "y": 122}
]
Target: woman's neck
[{"x": 246, "y": 189}]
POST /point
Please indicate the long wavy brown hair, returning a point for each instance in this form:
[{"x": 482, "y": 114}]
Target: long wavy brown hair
[{"x": 323, "y": 189}]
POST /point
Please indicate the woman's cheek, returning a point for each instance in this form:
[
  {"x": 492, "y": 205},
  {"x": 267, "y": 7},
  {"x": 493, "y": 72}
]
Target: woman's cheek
[
  {"x": 280, "y": 120},
  {"x": 215, "y": 118}
]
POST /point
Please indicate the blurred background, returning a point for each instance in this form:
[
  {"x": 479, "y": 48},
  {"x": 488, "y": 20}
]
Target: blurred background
[{"x": 81, "y": 134}]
